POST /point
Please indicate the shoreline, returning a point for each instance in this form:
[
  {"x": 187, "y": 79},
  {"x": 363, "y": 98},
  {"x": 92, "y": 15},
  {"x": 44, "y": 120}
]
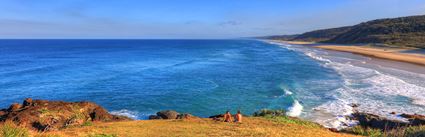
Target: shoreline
[
  {"x": 396, "y": 70},
  {"x": 394, "y": 55},
  {"x": 386, "y": 53}
]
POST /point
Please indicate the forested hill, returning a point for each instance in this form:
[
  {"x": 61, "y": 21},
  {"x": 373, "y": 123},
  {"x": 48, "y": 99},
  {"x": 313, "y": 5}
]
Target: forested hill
[{"x": 400, "y": 32}]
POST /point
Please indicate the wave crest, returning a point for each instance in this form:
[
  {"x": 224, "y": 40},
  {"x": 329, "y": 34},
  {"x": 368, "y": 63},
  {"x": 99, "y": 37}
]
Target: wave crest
[
  {"x": 295, "y": 110},
  {"x": 127, "y": 113}
]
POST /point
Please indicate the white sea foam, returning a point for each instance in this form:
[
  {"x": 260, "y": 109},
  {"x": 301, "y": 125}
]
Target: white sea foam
[
  {"x": 127, "y": 113},
  {"x": 286, "y": 90},
  {"x": 374, "y": 90},
  {"x": 295, "y": 110}
]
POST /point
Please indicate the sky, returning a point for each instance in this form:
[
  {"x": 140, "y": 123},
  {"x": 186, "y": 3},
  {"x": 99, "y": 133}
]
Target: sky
[{"x": 188, "y": 19}]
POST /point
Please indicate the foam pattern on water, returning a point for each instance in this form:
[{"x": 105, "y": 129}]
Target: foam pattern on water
[{"x": 374, "y": 91}]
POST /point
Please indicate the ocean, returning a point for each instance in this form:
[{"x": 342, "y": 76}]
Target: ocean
[{"x": 138, "y": 78}]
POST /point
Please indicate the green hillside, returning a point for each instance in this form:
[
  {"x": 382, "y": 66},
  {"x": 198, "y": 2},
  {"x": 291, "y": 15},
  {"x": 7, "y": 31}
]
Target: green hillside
[{"x": 400, "y": 32}]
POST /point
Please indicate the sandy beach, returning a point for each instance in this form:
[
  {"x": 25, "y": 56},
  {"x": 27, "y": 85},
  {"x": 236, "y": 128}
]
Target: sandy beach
[
  {"x": 383, "y": 53},
  {"x": 394, "y": 54}
]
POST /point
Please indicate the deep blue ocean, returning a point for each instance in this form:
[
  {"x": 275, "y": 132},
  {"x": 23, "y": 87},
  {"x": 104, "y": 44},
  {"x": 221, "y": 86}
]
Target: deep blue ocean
[{"x": 202, "y": 77}]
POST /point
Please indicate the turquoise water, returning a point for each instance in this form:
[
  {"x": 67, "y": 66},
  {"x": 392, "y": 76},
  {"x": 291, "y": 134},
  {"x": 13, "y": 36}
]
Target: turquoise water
[{"x": 203, "y": 77}]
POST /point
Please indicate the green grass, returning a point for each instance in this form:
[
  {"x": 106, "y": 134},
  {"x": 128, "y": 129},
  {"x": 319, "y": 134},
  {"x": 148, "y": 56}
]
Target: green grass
[
  {"x": 87, "y": 123},
  {"x": 269, "y": 112},
  {"x": 280, "y": 117},
  {"x": 43, "y": 111},
  {"x": 289, "y": 120},
  {"x": 358, "y": 130},
  {"x": 9, "y": 129},
  {"x": 414, "y": 131},
  {"x": 418, "y": 131}
]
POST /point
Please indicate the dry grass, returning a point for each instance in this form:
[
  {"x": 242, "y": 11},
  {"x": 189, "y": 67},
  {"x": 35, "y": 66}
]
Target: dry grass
[{"x": 198, "y": 127}]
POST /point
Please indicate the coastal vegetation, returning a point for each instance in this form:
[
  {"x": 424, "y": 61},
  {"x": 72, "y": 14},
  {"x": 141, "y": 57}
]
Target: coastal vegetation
[
  {"x": 252, "y": 126},
  {"x": 413, "y": 131},
  {"x": 18, "y": 121},
  {"x": 41, "y": 118},
  {"x": 394, "y": 32}
]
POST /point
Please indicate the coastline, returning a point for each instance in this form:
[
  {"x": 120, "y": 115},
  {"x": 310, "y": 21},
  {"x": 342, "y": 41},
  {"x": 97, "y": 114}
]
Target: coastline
[
  {"x": 29, "y": 119},
  {"x": 371, "y": 70},
  {"x": 383, "y": 53},
  {"x": 393, "y": 54}
]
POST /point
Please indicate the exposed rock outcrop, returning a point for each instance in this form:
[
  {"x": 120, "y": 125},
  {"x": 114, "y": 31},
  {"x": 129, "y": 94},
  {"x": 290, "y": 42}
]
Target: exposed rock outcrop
[
  {"x": 414, "y": 119},
  {"x": 375, "y": 121},
  {"x": 217, "y": 116},
  {"x": 46, "y": 115},
  {"x": 170, "y": 114}
]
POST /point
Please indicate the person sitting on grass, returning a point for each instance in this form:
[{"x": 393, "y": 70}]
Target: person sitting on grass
[
  {"x": 238, "y": 117},
  {"x": 227, "y": 117}
]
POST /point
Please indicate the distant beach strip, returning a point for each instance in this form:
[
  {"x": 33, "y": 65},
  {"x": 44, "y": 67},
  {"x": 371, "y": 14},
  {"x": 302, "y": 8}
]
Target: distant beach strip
[
  {"x": 395, "y": 54},
  {"x": 382, "y": 53}
]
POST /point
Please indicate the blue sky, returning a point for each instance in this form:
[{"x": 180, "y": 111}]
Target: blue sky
[{"x": 188, "y": 18}]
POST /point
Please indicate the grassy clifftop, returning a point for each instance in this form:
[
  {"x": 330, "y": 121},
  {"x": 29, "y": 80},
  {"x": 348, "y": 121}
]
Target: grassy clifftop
[
  {"x": 252, "y": 126},
  {"x": 43, "y": 118}
]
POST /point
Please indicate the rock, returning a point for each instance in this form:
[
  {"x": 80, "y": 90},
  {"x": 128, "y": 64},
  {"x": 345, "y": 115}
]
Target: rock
[
  {"x": 43, "y": 115},
  {"x": 374, "y": 121},
  {"x": 393, "y": 113},
  {"x": 333, "y": 129},
  {"x": 168, "y": 114},
  {"x": 2, "y": 112},
  {"x": 151, "y": 117},
  {"x": 409, "y": 116},
  {"x": 100, "y": 114},
  {"x": 217, "y": 116},
  {"x": 414, "y": 119},
  {"x": 15, "y": 107},
  {"x": 186, "y": 116},
  {"x": 27, "y": 102}
]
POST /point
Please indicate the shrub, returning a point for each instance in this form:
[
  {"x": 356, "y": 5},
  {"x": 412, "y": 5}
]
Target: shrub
[
  {"x": 414, "y": 131},
  {"x": 417, "y": 131},
  {"x": 9, "y": 129},
  {"x": 268, "y": 112}
]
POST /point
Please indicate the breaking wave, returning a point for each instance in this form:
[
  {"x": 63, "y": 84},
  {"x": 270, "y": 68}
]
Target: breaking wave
[
  {"x": 127, "y": 113},
  {"x": 373, "y": 90},
  {"x": 295, "y": 110}
]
